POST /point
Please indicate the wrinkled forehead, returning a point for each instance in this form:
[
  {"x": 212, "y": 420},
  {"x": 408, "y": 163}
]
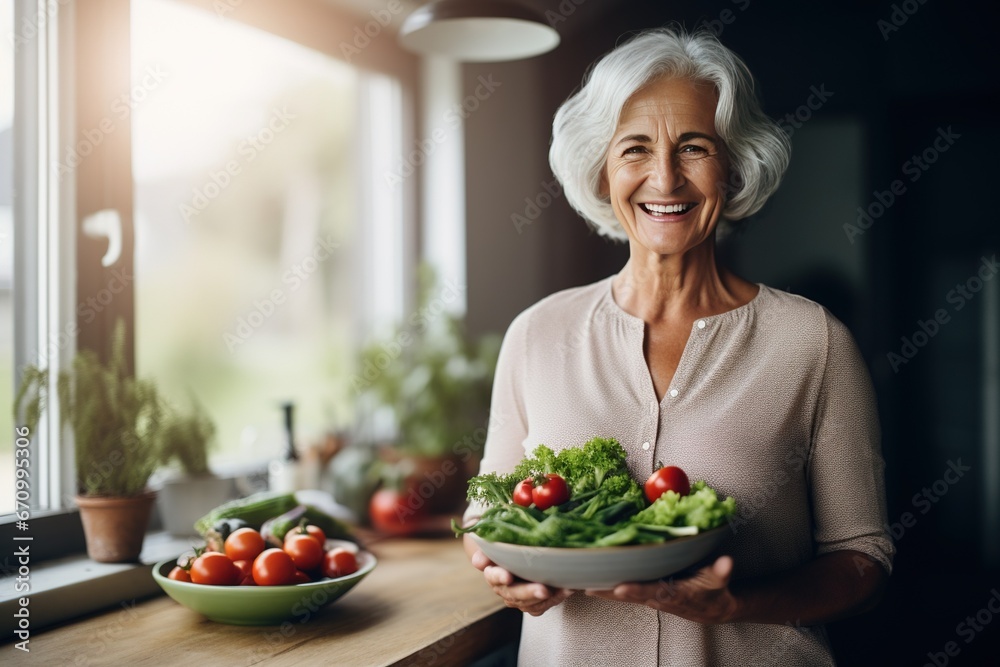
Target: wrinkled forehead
[{"x": 672, "y": 100}]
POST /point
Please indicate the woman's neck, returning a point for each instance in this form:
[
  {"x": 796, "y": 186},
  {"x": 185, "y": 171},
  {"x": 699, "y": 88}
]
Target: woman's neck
[{"x": 656, "y": 288}]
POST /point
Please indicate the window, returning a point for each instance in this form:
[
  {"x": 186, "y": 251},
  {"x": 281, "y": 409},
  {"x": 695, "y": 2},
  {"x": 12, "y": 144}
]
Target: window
[
  {"x": 6, "y": 252},
  {"x": 248, "y": 221},
  {"x": 257, "y": 271}
]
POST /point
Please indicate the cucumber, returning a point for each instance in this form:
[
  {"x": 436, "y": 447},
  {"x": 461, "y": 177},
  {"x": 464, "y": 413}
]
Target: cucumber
[
  {"x": 275, "y": 528},
  {"x": 254, "y": 509}
]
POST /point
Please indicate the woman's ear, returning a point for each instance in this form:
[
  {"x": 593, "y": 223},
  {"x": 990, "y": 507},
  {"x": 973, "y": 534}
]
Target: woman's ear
[{"x": 602, "y": 186}]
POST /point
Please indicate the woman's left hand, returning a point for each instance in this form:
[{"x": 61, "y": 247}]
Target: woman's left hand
[{"x": 703, "y": 597}]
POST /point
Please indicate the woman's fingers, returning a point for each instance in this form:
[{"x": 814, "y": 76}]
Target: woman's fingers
[
  {"x": 497, "y": 576},
  {"x": 480, "y": 561},
  {"x": 531, "y": 598}
]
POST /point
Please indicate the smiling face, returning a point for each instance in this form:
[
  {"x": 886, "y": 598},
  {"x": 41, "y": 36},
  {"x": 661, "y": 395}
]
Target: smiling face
[{"x": 666, "y": 165}]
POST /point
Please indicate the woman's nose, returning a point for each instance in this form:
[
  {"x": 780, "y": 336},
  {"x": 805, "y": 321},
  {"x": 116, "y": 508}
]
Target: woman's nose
[{"x": 665, "y": 173}]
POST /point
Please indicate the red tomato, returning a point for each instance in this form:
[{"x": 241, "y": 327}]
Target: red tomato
[
  {"x": 670, "y": 478},
  {"x": 273, "y": 567},
  {"x": 245, "y": 567},
  {"x": 522, "y": 492},
  {"x": 301, "y": 577},
  {"x": 179, "y": 574},
  {"x": 305, "y": 551},
  {"x": 396, "y": 513},
  {"x": 312, "y": 531},
  {"x": 244, "y": 544},
  {"x": 215, "y": 569},
  {"x": 339, "y": 562},
  {"x": 553, "y": 491}
]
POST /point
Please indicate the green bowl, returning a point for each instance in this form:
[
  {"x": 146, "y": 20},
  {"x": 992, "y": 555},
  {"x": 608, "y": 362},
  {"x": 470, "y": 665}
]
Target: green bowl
[{"x": 259, "y": 605}]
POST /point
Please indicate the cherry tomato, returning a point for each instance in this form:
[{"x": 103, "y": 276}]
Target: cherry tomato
[
  {"x": 312, "y": 531},
  {"x": 179, "y": 574},
  {"x": 553, "y": 491},
  {"x": 669, "y": 478},
  {"x": 215, "y": 569},
  {"x": 301, "y": 577},
  {"x": 339, "y": 562},
  {"x": 273, "y": 567},
  {"x": 244, "y": 544},
  {"x": 245, "y": 567},
  {"x": 396, "y": 513},
  {"x": 522, "y": 492},
  {"x": 305, "y": 551}
]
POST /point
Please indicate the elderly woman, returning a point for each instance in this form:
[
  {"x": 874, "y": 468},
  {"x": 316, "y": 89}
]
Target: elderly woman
[{"x": 761, "y": 393}]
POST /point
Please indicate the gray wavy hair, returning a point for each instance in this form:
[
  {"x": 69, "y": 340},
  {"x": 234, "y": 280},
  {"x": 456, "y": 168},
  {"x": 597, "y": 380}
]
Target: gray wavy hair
[{"x": 585, "y": 123}]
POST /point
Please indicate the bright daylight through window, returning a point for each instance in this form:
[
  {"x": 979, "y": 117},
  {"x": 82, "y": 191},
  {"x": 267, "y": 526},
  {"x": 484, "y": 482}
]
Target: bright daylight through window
[{"x": 248, "y": 240}]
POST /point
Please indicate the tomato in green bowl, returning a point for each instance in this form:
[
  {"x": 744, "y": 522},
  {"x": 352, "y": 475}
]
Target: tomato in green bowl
[{"x": 260, "y": 605}]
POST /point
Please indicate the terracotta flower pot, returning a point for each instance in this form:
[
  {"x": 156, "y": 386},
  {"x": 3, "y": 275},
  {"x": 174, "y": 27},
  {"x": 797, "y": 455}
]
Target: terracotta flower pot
[{"x": 115, "y": 527}]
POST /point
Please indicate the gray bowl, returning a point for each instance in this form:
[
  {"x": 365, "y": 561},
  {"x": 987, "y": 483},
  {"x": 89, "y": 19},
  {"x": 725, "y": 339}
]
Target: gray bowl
[{"x": 603, "y": 567}]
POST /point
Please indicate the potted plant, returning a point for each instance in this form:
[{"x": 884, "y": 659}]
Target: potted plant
[
  {"x": 190, "y": 492},
  {"x": 438, "y": 388},
  {"x": 115, "y": 420}
]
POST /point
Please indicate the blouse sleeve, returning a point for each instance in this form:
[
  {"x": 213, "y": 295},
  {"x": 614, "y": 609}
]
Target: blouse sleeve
[
  {"x": 508, "y": 425},
  {"x": 846, "y": 470}
]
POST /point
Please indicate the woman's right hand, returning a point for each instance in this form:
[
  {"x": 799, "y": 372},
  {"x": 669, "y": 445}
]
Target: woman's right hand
[{"x": 531, "y": 598}]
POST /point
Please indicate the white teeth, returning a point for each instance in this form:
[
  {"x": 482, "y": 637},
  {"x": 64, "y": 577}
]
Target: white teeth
[{"x": 672, "y": 208}]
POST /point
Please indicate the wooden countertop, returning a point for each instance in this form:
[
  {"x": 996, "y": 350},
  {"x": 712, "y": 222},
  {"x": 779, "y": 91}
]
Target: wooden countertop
[{"x": 423, "y": 604}]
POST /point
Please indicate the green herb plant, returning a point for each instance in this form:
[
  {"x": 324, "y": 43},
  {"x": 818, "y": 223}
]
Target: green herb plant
[
  {"x": 438, "y": 387},
  {"x": 115, "y": 419},
  {"x": 186, "y": 438}
]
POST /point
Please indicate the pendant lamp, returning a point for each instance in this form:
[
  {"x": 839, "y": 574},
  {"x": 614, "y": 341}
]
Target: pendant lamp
[{"x": 478, "y": 30}]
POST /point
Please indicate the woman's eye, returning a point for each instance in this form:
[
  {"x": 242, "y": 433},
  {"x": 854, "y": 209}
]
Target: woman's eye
[
  {"x": 692, "y": 149},
  {"x": 633, "y": 150}
]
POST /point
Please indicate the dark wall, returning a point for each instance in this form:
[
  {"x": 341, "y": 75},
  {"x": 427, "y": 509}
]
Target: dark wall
[{"x": 891, "y": 90}]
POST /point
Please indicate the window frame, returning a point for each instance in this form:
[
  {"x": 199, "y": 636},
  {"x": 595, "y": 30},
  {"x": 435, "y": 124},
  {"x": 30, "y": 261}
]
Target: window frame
[{"x": 69, "y": 78}]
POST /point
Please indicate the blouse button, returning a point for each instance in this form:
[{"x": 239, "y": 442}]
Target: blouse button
[
  {"x": 645, "y": 445},
  {"x": 701, "y": 324},
  {"x": 673, "y": 393}
]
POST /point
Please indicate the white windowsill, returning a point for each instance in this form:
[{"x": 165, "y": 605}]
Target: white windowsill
[{"x": 70, "y": 587}]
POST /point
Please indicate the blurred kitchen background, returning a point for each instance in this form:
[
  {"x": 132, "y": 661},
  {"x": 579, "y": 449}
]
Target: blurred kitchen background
[{"x": 260, "y": 132}]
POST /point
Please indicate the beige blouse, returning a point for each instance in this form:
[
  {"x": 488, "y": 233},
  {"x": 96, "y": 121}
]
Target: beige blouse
[{"x": 771, "y": 403}]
